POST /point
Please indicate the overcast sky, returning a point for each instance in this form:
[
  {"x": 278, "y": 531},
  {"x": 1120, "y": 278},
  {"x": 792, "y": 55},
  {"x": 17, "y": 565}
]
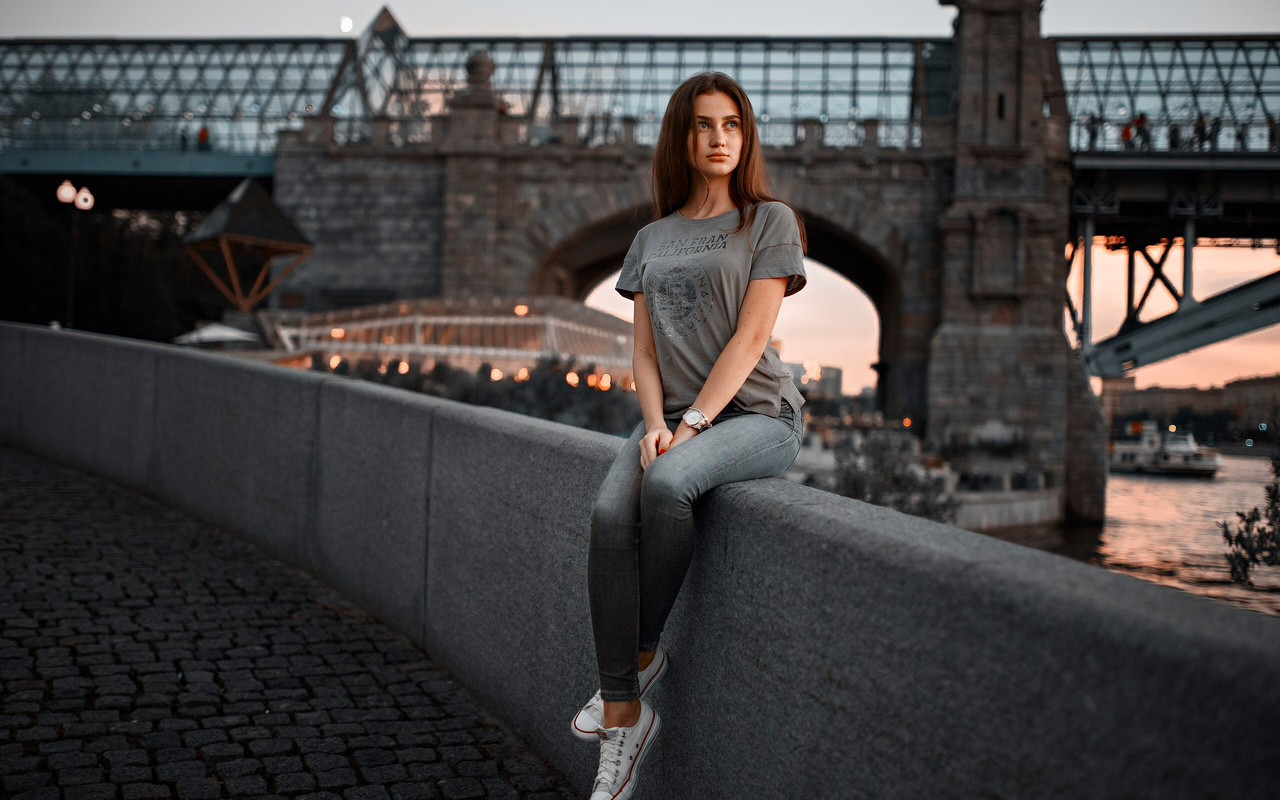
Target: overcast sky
[{"x": 129, "y": 18}]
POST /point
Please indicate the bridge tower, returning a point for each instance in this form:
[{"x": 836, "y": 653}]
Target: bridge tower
[{"x": 1001, "y": 376}]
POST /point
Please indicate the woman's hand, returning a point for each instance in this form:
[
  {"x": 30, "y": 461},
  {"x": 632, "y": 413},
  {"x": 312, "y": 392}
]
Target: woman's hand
[
  {"x": 654, "y": 443},
  {"x": 683, "y": 434}
]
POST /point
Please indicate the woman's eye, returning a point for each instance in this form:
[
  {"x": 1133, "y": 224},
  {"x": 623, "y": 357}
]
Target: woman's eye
[
  {"x": 701, "y": 125},
  {"x": 731, "y": 125}
]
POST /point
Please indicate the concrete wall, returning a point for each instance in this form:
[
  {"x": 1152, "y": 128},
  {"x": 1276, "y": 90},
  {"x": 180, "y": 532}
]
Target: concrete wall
[{"x": 821, "y": 647}]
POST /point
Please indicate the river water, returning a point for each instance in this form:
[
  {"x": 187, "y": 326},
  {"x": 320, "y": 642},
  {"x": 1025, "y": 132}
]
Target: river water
[{"x": 1164, "y": 530}]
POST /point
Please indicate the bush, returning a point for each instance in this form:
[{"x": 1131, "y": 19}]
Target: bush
[
  {"x": 1256, "y": 540},
  {"x": 876, "y": 472}
]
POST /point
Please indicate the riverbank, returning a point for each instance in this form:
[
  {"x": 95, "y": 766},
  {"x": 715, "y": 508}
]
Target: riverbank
[{"x": 1257, "y": 451}]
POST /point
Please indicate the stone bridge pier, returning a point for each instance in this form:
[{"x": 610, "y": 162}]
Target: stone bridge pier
[{"x": 957, "y": 237}]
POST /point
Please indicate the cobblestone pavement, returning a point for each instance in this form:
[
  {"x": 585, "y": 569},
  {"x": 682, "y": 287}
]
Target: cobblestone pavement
[{"x": 144, "y": 654}]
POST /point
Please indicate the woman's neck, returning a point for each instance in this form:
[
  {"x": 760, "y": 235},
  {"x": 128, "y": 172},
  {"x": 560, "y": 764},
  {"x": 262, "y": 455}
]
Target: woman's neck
[{"x": 707, "y": 199}]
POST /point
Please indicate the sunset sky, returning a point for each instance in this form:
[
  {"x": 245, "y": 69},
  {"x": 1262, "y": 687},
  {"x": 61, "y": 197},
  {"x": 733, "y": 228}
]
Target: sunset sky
[{"x": 831, "y": 321}]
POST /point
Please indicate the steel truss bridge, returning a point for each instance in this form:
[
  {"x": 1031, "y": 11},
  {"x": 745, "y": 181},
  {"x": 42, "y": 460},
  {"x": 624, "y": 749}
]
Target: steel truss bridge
[
  {"x": 142, "y": 94},
  {"x": 1166, "y": 132}
]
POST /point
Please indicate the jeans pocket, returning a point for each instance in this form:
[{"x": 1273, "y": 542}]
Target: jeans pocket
[{"x": 796, "y": 420}]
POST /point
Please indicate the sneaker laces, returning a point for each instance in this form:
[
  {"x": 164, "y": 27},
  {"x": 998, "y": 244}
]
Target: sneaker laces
[{"x": 611, "y": 746}]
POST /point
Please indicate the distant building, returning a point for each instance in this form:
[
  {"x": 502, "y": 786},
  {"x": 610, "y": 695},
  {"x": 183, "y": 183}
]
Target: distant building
[
  {"x": 867, "y": 400},
  {"x": 1251, "y": 400},
  {"x": 816, "y": 380},
  {"x": 1254, "y": 401}
]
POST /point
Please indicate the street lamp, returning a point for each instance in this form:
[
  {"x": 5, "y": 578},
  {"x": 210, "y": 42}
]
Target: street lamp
[{"x": 82, "y": 200}]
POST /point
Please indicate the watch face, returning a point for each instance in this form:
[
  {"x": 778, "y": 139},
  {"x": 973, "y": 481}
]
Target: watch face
[{"x": 691, "y": 417}]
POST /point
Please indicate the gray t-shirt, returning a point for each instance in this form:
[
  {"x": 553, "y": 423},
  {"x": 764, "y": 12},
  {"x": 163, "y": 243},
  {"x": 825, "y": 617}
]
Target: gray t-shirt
[{"x": 694, "y": 274}]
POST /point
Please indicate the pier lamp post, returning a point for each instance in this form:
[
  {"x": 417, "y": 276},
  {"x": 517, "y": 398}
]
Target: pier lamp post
[{"x": 82, "y": 200}]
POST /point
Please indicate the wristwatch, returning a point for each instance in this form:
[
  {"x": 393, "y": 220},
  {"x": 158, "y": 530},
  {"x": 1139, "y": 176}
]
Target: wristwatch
[{"x": 696, "y": 419}]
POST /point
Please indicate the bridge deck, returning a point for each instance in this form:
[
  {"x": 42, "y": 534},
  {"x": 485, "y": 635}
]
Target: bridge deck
[{"x": 144, "y": 654}]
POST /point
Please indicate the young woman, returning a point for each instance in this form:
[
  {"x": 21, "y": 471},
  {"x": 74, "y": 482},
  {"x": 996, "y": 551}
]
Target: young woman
[{"x": 707, "y": 277}]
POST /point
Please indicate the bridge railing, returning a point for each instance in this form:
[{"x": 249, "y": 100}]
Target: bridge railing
[
  {"x": 83, "y": 94},
  {"x": 1172, "y": 94},
  {"x": 256, "y": 137},
  {"x": 846, "y": 649},
  {"x": 1219, "y": 93}
]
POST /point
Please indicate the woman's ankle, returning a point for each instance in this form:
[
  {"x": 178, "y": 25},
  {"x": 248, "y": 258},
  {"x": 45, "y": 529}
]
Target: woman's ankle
[
  {"x": 645, "y": 659},
  {"x": 624, "y": 714}
]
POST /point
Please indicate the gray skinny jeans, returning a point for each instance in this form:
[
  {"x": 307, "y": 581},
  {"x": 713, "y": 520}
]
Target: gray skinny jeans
[{"x": 642, "y": 528}]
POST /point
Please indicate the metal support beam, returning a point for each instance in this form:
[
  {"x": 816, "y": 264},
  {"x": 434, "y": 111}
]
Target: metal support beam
[
  {"x": 1130, "y": 315},
  {"x": 1188, "y": 249},
  {"x": 1235, "y": 312},
  {"x": 1086, "y": 300},
  {"x": 1157, "y": 274}
]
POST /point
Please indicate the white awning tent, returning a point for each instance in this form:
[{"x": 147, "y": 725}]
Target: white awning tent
[{"x": 216, "y": 333}]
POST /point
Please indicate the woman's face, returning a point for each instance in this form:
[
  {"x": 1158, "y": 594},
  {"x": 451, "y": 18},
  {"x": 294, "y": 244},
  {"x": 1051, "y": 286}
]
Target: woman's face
[{"x": 715, "y": 143}]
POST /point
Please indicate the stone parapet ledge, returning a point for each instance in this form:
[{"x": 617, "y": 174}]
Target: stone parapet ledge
[{"x": 821, "y": 647}]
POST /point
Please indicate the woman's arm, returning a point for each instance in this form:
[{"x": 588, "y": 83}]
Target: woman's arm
[
  {"x": 756, "y": 317},
  {"x": 644, "y": 369}
]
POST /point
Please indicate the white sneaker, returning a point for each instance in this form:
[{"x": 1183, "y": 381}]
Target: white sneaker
[
  {"x": 621, "y": 751},
  {"x": 591, "y": 716}
]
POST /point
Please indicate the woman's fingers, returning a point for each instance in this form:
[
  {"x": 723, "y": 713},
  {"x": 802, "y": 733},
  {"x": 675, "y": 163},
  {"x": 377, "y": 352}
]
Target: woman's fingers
[
  {"x": 664, "y": 441},
  {"x": 648, "y": 449},
  {"x": 654, "y": 444}
]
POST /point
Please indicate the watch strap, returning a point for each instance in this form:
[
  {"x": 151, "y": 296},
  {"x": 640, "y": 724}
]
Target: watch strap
[{"x": 702, "y": 424}]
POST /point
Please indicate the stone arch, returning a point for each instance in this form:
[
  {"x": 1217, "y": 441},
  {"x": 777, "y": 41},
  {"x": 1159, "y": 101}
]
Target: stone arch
[
  {"x": 578, "y": 261},
  {"x": 575, "y": 234},
  {"x": 865, "y": 263},
  {"x": 863, "y": 247}
]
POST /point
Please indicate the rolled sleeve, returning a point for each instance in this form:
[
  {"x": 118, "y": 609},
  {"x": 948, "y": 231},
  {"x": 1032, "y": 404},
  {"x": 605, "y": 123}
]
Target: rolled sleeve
[
  {"x": 629, "y": 279},
  {"x": 781, "y": 261},
  {"x": 777, "y": 252}
]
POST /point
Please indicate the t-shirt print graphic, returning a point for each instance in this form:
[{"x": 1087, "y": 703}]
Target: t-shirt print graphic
[{"x": 680, "y": 298}]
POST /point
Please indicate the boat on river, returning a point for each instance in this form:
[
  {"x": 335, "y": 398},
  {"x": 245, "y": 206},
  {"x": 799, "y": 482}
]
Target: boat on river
[{"x": 1149, "y": 449}]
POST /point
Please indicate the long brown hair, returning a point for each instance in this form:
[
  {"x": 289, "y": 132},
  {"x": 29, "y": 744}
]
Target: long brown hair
[{"x": 672, "y": 172}]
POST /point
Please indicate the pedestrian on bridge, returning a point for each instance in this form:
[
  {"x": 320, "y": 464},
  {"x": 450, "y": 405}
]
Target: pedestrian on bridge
[
  {"x": 1092, "y": 123},
  {"x": 707, "y": 278},
  {"x": 1143, "y": 131}
]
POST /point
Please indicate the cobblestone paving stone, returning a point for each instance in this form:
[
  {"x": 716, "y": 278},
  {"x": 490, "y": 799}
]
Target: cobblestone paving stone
[{"x": 145, "y": 655}]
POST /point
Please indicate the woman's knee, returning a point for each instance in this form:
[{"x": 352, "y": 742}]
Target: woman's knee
[
  {"x": 613, "y": 526},
  {"x": 665, "y": 489}
]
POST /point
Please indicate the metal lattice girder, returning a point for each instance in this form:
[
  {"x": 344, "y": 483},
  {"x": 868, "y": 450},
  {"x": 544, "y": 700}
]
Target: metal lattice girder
[
  {"x": 143, "y": 95},
  {"x": 1180, "y": 84},
  {"x": 1235, "y": 312},
  {"x": 118, "y": 94},
  {"x": 835, "y": 81}
]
